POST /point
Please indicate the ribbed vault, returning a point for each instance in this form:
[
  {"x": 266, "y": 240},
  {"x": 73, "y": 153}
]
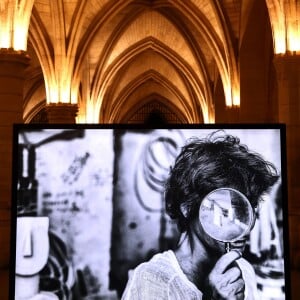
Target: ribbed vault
[{"x": 108, "y": 56}]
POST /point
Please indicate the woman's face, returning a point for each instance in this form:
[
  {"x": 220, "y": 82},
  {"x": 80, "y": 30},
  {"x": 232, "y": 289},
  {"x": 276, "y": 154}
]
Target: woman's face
[
  {"x": 225, "y": 216},
  {"x": 212, "y": 245}
]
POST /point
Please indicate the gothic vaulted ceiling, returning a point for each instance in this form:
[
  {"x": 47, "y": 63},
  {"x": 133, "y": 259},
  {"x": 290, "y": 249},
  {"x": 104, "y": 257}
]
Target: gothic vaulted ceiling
[{"x": 119, "y": 57}]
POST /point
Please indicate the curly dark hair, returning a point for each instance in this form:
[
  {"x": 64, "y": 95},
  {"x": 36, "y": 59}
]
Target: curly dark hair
[{"x": 210, "y": 163}]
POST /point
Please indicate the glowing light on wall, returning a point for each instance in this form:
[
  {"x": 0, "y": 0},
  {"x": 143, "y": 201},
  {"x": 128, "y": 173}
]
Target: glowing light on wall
[
  {"x": 74, "y": 95},
  {"x": 279, "y": 41},
  {"x": 285, "y": 18},
  {"x": 293, "y": 39},
  {"x": 59, "y": 90},
  {"x": 86, "y": 117},
  {"x": 206, "y": 113},
  {"x": 6, "y": 28},
  {"x": 292, "y": 14},
  {"x": 236, "y": 100},
  {"x": 211, "y": 117},
  {"x": 14, "y": 23},
  {"x": 57, "y": 93},
  {"x": 286, "y": 39},
  {"x": 90, "y": 112},
  {"x": 279, "y": 31},
  {"x": 227, "y": 91},
  {"x": 80, "y": 118},
  {"x": 52, "y": 92},
  {"x": 65, "y": 93},
  {"x": 232, "y": 95}
]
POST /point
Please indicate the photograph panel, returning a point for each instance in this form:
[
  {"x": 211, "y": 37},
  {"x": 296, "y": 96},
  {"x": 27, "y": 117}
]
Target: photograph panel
[{"x": 90, "y": 207}]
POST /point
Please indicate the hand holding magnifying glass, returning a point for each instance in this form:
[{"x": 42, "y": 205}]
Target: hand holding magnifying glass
[{"x": 226, "y": 215}]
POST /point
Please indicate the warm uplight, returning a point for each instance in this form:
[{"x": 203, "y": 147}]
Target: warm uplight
[
  {"x": 205, "y": 112},
  {"x": 5, "y": 25},
  {"x": 285, "y": 18},
  {"x": 287, "y": 40},
  {"x": 74, "y": 95},
  {"x": 232, "y": 96},
  {"x": 20, "y": 34},
  {"x": 236, "y": 97},
  {"x": 52, "y": 94},
  {"x": 58, "y": 92},
  {"x": 14, "y": 23},
  {"x": 227, "y": 91},
  {"x": 4, "y": 38},
  {"x": 92, "y": 113},
  {"x": 211, "y": 118},
  {"x": 279, "y": 37},
  {"x": 293, "y": 39},
  {"x": 20, "y": 39},
  {"x": 80, "y": 119},
  {"x": 86, "y": 118},
  {"x": 279, "y": 45},
  {"x": 65, "y": 94}
]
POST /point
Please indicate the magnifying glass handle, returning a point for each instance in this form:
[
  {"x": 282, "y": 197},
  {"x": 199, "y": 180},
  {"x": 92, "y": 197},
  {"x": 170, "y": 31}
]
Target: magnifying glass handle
[{"x": 227, "y": 247}]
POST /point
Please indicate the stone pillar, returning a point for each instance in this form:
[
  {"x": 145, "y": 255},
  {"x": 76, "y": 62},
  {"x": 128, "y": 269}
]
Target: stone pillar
[
  {"x": 233, "y": 114},
  {"x": 62, "y": 113},
  {"x": 288, "y": 79},
  {"x": 12, "y": 68}
]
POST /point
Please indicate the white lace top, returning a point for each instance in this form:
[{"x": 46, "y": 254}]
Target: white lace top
[{"x": 162, "y": 279}]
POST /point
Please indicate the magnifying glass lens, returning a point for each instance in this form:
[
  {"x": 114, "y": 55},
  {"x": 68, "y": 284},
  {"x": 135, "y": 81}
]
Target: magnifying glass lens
[{"x": 226, "y": 215}]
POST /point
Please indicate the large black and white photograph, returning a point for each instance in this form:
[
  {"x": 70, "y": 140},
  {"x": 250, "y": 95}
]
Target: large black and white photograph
[{"x": 194, "y": 212}]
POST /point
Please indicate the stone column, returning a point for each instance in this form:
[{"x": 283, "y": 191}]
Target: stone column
[
  {"x": 233, "y": 114},
  {"x": 12, "y": 69},
  {"x": 288, "y": 79},
  {"x": 62, "y": 113}
]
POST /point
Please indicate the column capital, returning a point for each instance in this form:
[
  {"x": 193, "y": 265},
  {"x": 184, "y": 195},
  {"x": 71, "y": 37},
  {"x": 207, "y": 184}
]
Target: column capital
[
  {"x": 62, "y": 112},
  {"x": 286, "y": 65},
  {"x": 287, "y": 56},
  {"x": 11, "y": 55},
  {"x": 233, "y": 113}
]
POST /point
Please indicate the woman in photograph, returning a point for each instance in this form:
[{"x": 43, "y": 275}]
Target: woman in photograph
[{"x": 200, "y": 267}]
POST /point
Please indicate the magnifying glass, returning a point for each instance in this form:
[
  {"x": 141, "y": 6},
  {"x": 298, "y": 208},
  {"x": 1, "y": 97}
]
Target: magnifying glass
[{"x": 226, "y": 215}]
